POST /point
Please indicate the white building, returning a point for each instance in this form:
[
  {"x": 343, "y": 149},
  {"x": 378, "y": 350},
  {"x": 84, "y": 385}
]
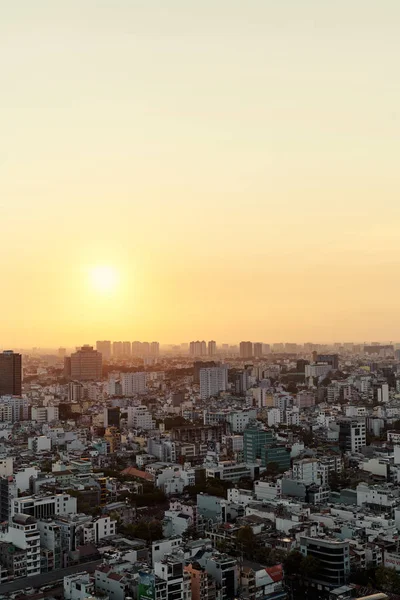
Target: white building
[
  {"x": 45, "y": 414},
  {"x": 265, "y": 490},
  {"x": 42, "y": 507},
  {"x": 23, "y": 533},
  {"x": 140, "y": 418},
  {"x": 98, "y": 529},
  {"x": 162, "y": 547},
  {"x": 23, "y": 477},
  {"x": 133, "y": 383},
  {"x": 19, "y": 407},
  {"x": 6, "y": 467},
  {"x": 213, "y": 381},
  {"x": 274, "y": 417},
  {"x": 307, "y": 471},
  {"x": 292, "y": 417},
  {"x": 78, "y": 586},
  {"x": 239, "y": 419},
  {"x": 170, "y": 569},
  {"x": 39, "y": 443}
]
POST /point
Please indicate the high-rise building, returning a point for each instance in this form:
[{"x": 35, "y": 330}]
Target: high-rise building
[
  {"x": 136, "y": 349},
  {"x": 198, "y": 348},
  {"x": 255, "y": 440},
  {"x": 352, "y": 434},
  {"x": 258, "y": 349},
  {"x": 86, "y": 364},
  {"x": 246, "y": 349},
  {"x": 139, "y": 417},
  {"x": 201, "y": 364},
  {"x": 117, "y": 350},
  {"x": 213, "y": 381},
  {"x": 145, "y": 349},
  {"x": 212, "y": 348},
  {"x": 15, "y": 408},
  {"x": 133, "y": 383},
  {"x": 112, "y": 416},
  {"x": 61, "y": 353},
  {"x": 330, "y": 359},
  {"x": 104, "y": 347},
  {"x": 10, "y": 373},
  {"x": 155, "y": 349},
  {"x": 126, "y": 349}
]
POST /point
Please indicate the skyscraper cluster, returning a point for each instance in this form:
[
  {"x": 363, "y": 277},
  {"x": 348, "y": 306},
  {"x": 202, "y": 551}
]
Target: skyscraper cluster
[
  {"x": 126, "y": 350},
  {"x": 202, "y": 348}
]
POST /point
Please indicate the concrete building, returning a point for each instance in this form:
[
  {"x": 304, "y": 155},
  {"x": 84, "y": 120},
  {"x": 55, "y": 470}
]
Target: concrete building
[
  {"x": 213, "y": 380},
  {"x": 19, "y": 407},
  {"x": 333, "y": 560},
  {"x": 104, "y": 347},
  {"x": 41, "y": 507},
  {"x": 10, "y": 373},
  {"x": 352, "y": 434},
  {"x": 212, "y": 348},
  {"x": 307, "y": 471},
  {"x": 133, "y": 383},
  {"x": 24, "y": 534},
  {"x": 86, "y": 364},
  {"x": 39, "y": 443},
  {"x": 45, "y": 414},
  {"x": 170, "y": 569},
  {"x": 246, "y": 350},
  {"x": 140, "y": 418}
]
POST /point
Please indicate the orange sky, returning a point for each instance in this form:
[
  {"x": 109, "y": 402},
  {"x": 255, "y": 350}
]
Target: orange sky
[{"x": 235, "y": 163}]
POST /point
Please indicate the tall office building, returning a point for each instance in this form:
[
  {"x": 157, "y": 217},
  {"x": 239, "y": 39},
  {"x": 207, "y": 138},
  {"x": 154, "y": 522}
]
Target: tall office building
[
  {"x": 155, "y": 349},
  {"x": 145, "y": 349},
  {"x": 104, "y": 348},
  {"x": 212, "y": 348},
  {"x": 117, "y": 349},
  {"x": 258, "y": 349},
  {"x": 86, "y": 364},
  {"x": 10, "y": 374},
  {"x": 126, "y": 349},
  {"x": 255, "y": 441},
  {"x": 213, "y": 381},
  {"x": 246, "y": 349},
  {"x": 61, "y": 353}
]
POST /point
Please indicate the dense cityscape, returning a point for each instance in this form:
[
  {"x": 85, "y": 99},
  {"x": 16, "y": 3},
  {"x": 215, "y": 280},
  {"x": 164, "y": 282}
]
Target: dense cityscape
[
  {"x": 199, "y": 331},
  {"x": 200, "y": 471}
]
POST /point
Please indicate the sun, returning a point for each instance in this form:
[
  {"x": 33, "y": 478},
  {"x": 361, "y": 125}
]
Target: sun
[{"x": 104, "y": 278}]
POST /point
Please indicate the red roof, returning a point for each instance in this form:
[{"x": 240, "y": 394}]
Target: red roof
[
  {"x": 132, "y": 472},
  {"x": 276, "y": 573}
]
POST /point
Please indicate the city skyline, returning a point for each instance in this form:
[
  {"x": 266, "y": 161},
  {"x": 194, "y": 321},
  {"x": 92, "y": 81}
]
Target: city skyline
[{"x": 226, "y": 168}]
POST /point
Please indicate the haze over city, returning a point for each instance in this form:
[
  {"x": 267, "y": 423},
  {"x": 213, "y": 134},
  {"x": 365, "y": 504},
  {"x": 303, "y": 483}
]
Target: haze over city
[
  {"x": 176, "y": 169},
  {"x": 199, "y": 338}
]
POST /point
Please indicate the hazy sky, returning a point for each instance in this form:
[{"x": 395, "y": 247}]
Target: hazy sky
[{"x": 236, "y": 161}]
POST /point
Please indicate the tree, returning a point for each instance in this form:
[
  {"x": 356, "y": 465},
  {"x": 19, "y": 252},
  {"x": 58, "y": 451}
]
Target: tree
[
  {"x": 273, "y": 468},
  {"x": 302, "y": 567},
  {"x": 245, "y": 483},
  {"x": 387, "y": 579},
  {"x": 309, "y": 566},
  {"x": 292, "y": 562}
]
